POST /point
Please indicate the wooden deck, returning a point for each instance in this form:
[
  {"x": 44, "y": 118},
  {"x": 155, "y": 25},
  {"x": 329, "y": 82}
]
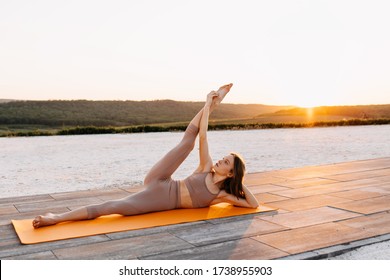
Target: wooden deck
[{"x": 323, "y": 211}]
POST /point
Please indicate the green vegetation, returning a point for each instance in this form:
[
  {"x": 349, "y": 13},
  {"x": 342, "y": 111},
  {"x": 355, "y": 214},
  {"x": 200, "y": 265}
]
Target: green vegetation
[
  {"x": 227, "y": 126},
  {"x": 41, "y": 118},
  {"x": 117, "y": 113}
]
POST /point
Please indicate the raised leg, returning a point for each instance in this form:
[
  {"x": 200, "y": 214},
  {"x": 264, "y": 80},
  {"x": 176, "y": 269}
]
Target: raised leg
[{"x": 166, "y": 166}]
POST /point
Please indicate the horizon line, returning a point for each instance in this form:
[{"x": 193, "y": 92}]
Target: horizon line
[{"x": 7, "y": 100}]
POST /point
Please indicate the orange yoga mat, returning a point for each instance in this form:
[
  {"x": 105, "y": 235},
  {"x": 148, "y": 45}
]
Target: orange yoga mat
[{"x": 115, "y": 223}]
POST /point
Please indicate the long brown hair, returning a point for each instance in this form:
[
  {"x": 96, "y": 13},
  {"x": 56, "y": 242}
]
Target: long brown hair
[{"x": 233, "y": 185}]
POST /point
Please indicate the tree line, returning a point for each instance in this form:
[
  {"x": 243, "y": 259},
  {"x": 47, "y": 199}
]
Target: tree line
[
  {"x": 117, "y": 113},
  {"x": 227, "y": 126}
]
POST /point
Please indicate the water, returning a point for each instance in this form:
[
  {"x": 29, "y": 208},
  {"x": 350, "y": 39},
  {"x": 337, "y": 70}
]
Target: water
[{"x": 37, "y": 165}]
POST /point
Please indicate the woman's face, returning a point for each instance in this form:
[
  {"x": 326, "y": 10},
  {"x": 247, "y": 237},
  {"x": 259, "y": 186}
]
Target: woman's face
[{"x": 225, "y": 166}]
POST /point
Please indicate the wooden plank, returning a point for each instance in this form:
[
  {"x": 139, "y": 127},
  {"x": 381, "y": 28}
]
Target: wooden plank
[
  {"x": 6, "y": 219},
  {"x": 315, "y": 201},
  {"x": 360, "y": 175},
  {"x": 332, "y": 169},
  {"x": 129, "y": 248},
  {"x": 241, "y": 218},
  {"x": 306, "y": 183},
  {"x": 262, "y": 178},
  {"x": 309, "y": 217},
  {"x": 384, "y": 178},
  {"x": 378, "y": 223},
  {"x": 154, "y": 230},
  {"x": 23, "y": 199},
  {"x": 311, "y": 238},
  {"x": 255, "y": 189},
  {"x": 47, "y": 206},
  {"x": 215, "y": 233},
  {"x": 362, "y": 165},
  {"x": 328, "y": 188},
  {"x": 241, "y": 249},
  {"x": 366, "y": 206},
  {"x": 382, "y": 189},
  {"x": 303, "y": 174},
  {"x": 46, "y": 255},
  {"x": 359, "y": 194},
  {"x": 7, "y": 232},
  {"x": 267, "y": 197},
  {"x": 13, "y": 247},
  {"x": 355, "y": 184},
  {"x": 7, "y": 209}
]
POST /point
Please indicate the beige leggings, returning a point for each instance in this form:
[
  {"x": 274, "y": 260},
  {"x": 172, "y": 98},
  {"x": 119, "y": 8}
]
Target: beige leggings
[{"x": 161, "y": 193}]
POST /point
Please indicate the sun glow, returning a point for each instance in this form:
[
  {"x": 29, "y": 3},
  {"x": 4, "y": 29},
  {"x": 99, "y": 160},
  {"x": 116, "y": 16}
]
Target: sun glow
[
  {"x": 304, "y": 101},
  {"x": 309, "y": 114},
  {"x": 308, "y": 104},
  {"x": 327, "y": 95}
]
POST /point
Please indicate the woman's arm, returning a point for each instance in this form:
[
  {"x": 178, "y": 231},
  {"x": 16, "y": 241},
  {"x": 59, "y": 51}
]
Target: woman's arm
[
  {"x": 250, "y": 198},
  {"x": 205, "y": 161},
  {"x": 250, "y": 201}
]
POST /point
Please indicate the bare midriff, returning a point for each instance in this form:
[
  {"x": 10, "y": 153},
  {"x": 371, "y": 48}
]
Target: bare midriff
[{"x": 185, "y": 198}]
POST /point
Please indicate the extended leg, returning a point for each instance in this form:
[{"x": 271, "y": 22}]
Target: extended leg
[
  {"x": 52, "y": 219},
  {"x": 159, "y": 197},
  {"x": 121, "y": 206}
]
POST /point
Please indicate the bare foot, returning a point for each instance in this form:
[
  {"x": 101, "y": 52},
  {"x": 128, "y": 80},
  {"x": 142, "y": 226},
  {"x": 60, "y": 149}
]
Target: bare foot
[
  {"x": 222, "y": 91},
  {"x": 44, "y": 220}
]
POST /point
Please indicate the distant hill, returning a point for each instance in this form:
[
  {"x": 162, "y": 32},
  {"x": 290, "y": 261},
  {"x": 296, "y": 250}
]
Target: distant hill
[
  {"x": 119, "y": 113},
  {"x": 6, "y": 100},
  {"x": 59, "y": 113},
  {"x": 361, "y": 111}
]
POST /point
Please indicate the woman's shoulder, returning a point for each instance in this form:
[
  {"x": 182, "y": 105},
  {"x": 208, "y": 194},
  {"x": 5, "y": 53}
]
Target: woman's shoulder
[
  {"x": 198, "y": 175},
  {"x": 200, "y": 172}
]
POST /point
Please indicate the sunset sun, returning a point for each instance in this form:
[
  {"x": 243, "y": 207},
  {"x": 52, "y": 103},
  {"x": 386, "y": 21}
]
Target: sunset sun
[
  {"x": 307, "y": 103},
  {"x": 308, "y": 100}
]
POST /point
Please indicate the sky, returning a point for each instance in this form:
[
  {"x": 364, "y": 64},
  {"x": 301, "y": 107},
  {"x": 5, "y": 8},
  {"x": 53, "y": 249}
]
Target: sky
[{"x": 279, "y": 52}]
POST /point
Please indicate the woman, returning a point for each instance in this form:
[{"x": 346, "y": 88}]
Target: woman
[{"x": 209, "y": 184}]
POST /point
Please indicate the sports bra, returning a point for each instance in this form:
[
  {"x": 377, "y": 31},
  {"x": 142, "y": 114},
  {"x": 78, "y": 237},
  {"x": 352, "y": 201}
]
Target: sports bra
[{"x": 197, "y": 188}]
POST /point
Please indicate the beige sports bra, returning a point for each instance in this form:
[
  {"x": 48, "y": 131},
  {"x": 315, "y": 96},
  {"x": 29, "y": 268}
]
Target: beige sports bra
[{"x": 197, "y": 188}]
